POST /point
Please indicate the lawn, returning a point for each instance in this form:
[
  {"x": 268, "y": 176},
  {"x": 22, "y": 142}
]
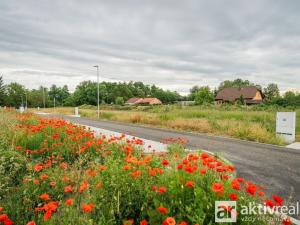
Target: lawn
[
  {"x": 55, "y": 172},
  {"x": 247, "y": 123}
]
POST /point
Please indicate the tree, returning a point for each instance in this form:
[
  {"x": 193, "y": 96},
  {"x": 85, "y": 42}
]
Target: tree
[
  {"x": 2, "y": 92},
  {"x": 193, "y": 92},
  {"x": 204, "y": 95},
  {"x": 15, "y": 95},
  {"x": 236, "y": 83},
  {"x": 241, "y": 100},
  {"x": 271, "y": 92},
  {"x": 119, "y": 101}
]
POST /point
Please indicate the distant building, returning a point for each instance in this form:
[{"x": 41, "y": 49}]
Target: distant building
[
  {"x": 250, "y": 95},
  {"x": 184, "y": 103},
  {"x": 144, "y": 101}
]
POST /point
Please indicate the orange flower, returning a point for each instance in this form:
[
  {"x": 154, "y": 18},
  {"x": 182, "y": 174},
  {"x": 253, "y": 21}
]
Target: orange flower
[
  {"x": 87, "y": 208},
  {"x": 169, "y": 221},
  {"x": 162, "y": 210},
  {"x": 68, "y": 189},
  {"x": 44, "y": 176},
  {"x": 99, "y": 185},
  {"x": 38, "y": 167},
  {"x": 69, "y": 201},
  {"x": 218, "y": 188},
  {"x": 136, "y": 174},
  {"x": 102, "y": 167},
  {"x": 1, "y": 209},
  {"x": 64, "y": 166},
  {"x": 44, "y": 197},
  {"x": 84, "y": 185},
  {"x": 52, "y": 183}
]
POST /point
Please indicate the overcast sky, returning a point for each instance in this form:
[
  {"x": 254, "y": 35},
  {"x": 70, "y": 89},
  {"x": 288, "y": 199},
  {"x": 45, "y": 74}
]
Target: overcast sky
[{"x": 174, "y": 44}]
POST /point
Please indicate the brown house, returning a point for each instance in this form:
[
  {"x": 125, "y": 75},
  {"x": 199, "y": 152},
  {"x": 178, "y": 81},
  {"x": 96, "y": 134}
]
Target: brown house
[
  {"x": 144, "y": 101},
  {"x": 251, "y": 95}
]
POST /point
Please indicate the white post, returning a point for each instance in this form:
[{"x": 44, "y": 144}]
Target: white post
[{"x": 286, "y": 125}]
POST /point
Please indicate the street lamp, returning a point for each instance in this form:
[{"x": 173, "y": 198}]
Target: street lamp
[{"x": 98, "y": 110}]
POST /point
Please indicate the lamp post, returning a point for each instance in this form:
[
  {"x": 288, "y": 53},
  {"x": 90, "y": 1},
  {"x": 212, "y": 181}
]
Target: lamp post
[
  {"x": 44, "y": 99},
  {"x": 98, "y": 107}
]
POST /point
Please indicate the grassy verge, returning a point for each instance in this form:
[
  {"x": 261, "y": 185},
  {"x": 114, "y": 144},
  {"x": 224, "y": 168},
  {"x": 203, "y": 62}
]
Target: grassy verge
[{"x": 244, "y": 123}]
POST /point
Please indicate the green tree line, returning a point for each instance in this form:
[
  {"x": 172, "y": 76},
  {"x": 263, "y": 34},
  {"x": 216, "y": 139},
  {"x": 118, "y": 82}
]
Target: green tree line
[{"x": 15, "y": 94}]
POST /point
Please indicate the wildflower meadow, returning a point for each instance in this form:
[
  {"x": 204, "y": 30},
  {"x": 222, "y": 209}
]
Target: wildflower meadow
[{"x": 55, "y": 172}]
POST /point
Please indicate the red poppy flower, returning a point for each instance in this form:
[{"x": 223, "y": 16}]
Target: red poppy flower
[
  {"x": 52, "y": 183},
  {"x": 31, "y": 223},
  {"x": 44, "y": 197},
  {"x": 278, "y": 200},
  {"x": 183, "y": 223},
  {"x": 269, "y": 203},
  {"x": 68, "y": 189},
  {"x": 162, "y": 189},
  {"x": 3, "y": 217},
  {"x": 287, "y": 221},
  {"x": 47, "y": 215},
  {"x": 165, "y": 162},
  {"x": 235, "y": 184},
  {"x": 162, "y": 210},
  {"x": 8, "y": 222},
  {"x": 144, "y": 222},
  {"x": 55, "y": 136},
  {"x": 87, "y": 208},
  {"x": 203, "y": 171},
  {"x": 251, "y": 188},
  {"x": 69, "y": 201},
  {"x": 218, "y": 188},
  {"x": 38, "y": 167},
  {"x": 169, "y": 221},
  {"x": 179, "y": 166},
  {"x": 84, "y": 185},
  {"x": 233, "y": 197},
  {"x": 190, "y": 183},
  {"x": 44, "y": 176}
]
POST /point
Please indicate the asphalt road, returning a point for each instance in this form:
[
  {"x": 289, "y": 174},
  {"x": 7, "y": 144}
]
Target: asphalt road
[{"x": 276, "y": 168}]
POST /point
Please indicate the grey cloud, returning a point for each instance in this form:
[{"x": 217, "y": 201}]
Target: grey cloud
[{"x": 170, "y": 43}]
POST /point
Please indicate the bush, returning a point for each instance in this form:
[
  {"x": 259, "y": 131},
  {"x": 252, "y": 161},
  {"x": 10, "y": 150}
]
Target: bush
[{"x": 119, "y": 101}]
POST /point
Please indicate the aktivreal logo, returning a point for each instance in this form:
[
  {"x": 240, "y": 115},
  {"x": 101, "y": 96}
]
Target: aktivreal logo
[{"x": 225, "y": 212}]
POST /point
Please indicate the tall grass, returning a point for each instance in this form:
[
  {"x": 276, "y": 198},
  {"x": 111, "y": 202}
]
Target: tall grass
[{"x": 243, "y": 122}]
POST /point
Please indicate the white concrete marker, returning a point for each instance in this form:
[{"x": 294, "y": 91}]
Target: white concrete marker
[{"x": 286, "y": 125}]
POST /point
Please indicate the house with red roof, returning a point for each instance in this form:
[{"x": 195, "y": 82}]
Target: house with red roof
[{"x": 143, "y": 101}]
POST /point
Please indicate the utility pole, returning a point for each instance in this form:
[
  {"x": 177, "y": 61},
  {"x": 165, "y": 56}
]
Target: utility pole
[
  {"x": 98, "y": 106},
  {"x": 44, "y": 100},
  {"x": 25, "y": 100},
  {"x": 54, "y": 103}
]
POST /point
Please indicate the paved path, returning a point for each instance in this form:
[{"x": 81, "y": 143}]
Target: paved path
[{"x": 276, "y": 168}]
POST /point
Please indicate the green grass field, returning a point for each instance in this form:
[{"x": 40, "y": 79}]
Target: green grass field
[{"x": 247, "y": 123}]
